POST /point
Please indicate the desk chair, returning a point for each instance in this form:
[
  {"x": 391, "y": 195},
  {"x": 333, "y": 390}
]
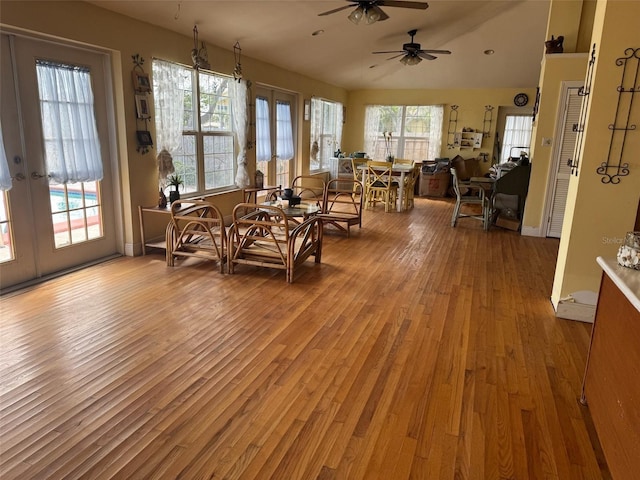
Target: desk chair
[{"x": 476, "y": 197}]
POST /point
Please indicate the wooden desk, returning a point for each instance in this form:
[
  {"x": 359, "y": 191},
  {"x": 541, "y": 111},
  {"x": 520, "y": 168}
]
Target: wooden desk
[
  {"x": 610, "y": 384},
  {"x": 250, "y": 192}
]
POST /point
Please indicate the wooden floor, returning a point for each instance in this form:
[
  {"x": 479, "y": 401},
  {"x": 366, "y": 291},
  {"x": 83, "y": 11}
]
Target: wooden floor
[{"x": 414, "y": 351}]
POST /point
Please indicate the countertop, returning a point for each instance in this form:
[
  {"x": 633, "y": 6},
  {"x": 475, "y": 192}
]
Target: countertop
[{"x": 626, "y": 279}]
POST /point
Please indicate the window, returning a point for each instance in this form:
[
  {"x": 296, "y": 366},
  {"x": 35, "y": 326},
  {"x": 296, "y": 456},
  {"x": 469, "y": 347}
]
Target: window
[
  {"x": 275, "y": 147},
  {"x": 517, "y": 136},
  {"x": 326, "y": 132},
  {"x": 205, "y": 157},
  {"x": 415, "y": 131}
]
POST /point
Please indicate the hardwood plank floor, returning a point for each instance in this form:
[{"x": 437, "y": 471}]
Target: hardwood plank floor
[{"x": 414, "y": 351}]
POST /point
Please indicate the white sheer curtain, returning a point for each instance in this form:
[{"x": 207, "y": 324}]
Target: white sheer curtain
[
  {"x": 517, "y": 133},
  {"x": 5, "y": 174},
  {"x": 168, "y": 95},
  {"x": 316, "y": 132},
  {"x": 263, "y": 131},
  {"x": 435, "y": 132},
  {"x": 339, "y": 125},
  {"x": 241, "y": 125},
  {"x": 72, "y": 146},
  {"x": 284, "y": 131},
  {"x": 371, "y": 125}
]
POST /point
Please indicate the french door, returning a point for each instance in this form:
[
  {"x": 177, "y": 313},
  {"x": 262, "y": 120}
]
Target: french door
[
  {"x": 275, "y": 131},
  {"x": 48, "y": 227}
]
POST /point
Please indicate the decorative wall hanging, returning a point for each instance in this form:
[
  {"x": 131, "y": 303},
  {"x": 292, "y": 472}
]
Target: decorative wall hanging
[
  {"x": 615, "y": 167},
  {"x": 584, "y": 92},
  {"x": 453, "y": 126},
  {"x": 237, "y": 70},
  {"x": 199, "y": 54},
  {"x": 536, "y": 106},
  {"x": 487, "y": 120},
  {"x": 142, "y": 86}
]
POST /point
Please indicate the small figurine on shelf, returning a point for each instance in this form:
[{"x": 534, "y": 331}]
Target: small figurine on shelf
[
  {"x": 162, "y": 199},
  {"x": 259, "y": 180},
  {"x": 554, "y": 45}
]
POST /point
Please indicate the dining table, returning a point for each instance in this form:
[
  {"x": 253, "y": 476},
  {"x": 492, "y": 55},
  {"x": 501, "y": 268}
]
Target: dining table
[{"x": 400, "y": 170}]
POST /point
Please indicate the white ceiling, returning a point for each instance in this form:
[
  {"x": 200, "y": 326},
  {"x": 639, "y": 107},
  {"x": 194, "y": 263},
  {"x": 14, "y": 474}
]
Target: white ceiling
[{"x": 279, "y": 32}]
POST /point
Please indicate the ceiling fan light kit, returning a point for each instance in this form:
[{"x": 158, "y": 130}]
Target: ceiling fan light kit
[
  {"x": 412, "y": 54},
  {"x": 410, "y": 60},
  {"x": 370, "y": 11}
]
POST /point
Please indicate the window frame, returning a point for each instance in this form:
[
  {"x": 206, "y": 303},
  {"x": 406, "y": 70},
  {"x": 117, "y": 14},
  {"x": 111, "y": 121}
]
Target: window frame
[
  {"x": 399, "y": 139},
  {"x": 194, "y": 112}
]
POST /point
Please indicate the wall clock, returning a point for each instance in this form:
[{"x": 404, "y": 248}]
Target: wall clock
[{"x": 521, "y": 99}]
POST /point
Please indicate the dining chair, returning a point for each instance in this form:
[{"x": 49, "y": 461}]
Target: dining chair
[
  {"x": 381, "y": 185},
  {"x": 476, "y": 196},
  {"x": 409, "y": 187},
  {"x": 359, "y": 173}
]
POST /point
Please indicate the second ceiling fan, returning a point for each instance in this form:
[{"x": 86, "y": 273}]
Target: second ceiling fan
[
  {"x": 412, "y": 54},
  {"x": 370, "y": 10}
]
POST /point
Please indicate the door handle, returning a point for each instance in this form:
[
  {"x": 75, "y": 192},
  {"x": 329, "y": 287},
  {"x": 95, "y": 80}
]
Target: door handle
[
  {"x": 36, "y": 175},
  {"x": 19, "y": 177}
]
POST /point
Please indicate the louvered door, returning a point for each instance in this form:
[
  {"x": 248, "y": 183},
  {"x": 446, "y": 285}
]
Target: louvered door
[{"x": 563, "y": 171}]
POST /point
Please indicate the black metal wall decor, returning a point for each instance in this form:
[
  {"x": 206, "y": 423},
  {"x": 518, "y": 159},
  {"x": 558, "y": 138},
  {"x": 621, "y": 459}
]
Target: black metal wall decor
[
  {"x": 453, "y": 126},
  {"x": 584, "y": 92},
  {"x": 615, "y": 167},
  {"x": 487, "y": 120},
  {"x": 142, "y": 87}
]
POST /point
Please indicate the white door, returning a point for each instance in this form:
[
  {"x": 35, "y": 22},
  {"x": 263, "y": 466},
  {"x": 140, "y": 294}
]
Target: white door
[
  {"x": 50, "y": 227},
  {"x": 571, "y": 115}
]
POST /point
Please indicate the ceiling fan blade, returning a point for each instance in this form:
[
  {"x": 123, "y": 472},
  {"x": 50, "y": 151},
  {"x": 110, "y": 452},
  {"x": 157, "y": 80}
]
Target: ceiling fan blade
[
  {"x": 396, "y": 56},
  {"x": 426, "y": 56},
  {"x": 337, "y": 9},
  {"x": 395, "y": 3},
  {"x": 439, "y": 52},
  {"x": 392, "y": 51}
]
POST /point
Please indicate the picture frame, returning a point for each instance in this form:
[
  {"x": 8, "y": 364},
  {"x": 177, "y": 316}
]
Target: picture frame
[
  {"x": 144, "y": 138},
  {"x": 307, "y": 110},
  {"x": 142, "y": 106},
  {"x": 141, "y": 81}
]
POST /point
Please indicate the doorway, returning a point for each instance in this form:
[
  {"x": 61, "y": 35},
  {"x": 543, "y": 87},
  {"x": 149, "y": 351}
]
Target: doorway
[{"x": 53, "y": 219}]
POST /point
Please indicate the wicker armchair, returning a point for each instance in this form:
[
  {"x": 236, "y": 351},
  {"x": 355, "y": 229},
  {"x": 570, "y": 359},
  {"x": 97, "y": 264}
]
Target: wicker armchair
[
  {"x": 196, "y": 230},
  {"x": 267, "y": 238},
  {"x": 342, "y": 204}
]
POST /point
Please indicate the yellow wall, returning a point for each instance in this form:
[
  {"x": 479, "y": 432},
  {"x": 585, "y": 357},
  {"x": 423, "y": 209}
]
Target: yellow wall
[
  {"x": 123, "y": 37},
  {"x": 598, "y": 215},
  {"x": 471, "y": 108},
  {"x": 556, "y": 68}
]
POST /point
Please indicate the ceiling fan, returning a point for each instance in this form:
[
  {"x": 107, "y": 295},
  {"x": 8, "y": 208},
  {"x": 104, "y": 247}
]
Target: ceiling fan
[
  {"x": 412, "y": 54},
  {"x": 370, "y": 10}
]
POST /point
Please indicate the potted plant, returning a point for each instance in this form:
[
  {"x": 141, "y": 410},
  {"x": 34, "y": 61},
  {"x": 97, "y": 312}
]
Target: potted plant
[{"x": 175, "y": 181}]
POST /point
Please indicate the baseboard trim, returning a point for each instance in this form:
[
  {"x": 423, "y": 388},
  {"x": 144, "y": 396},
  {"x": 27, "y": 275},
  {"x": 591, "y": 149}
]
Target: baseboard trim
[{"x": 527, "y": 231}]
